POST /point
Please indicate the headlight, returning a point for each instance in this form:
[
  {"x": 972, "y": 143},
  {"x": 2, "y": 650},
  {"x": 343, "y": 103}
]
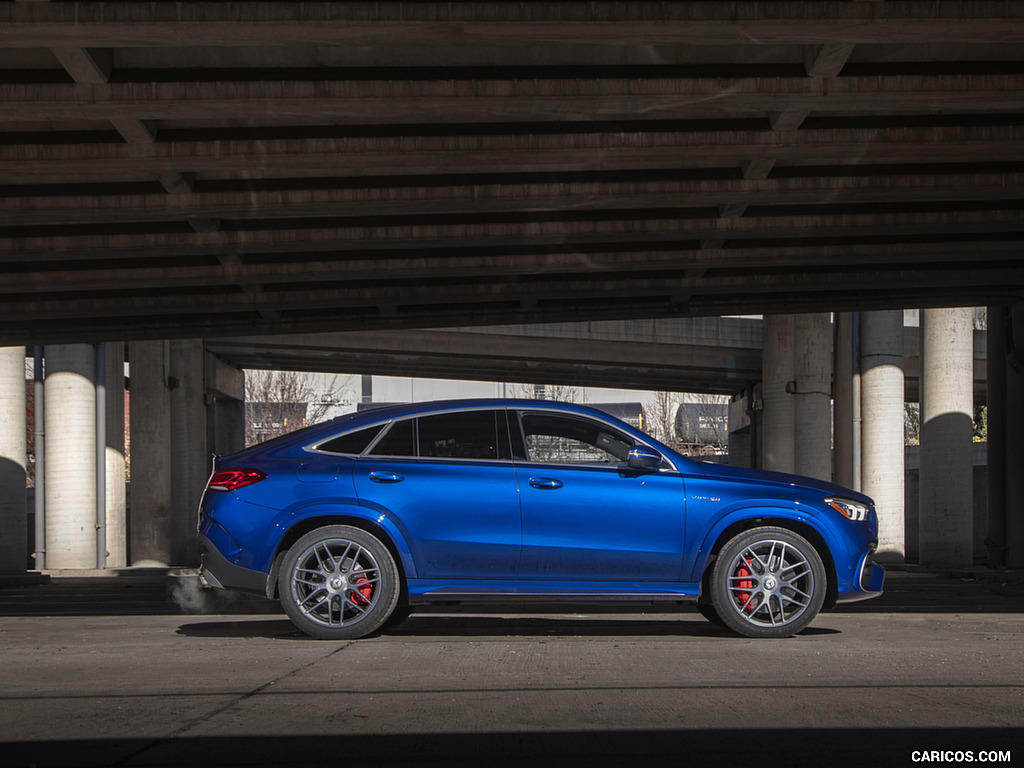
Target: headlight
[{"x": 854, "y": 510}]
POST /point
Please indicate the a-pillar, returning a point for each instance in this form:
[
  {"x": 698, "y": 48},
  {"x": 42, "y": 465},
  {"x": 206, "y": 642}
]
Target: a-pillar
[
  {"x": 13, "y": 524},
  {"x": 812, "y": 407},
  {"x": 150, "y": 435},
  {"x": 777, "y": 420},
  {"x": 881, "y": 434},
  {"x": 946, "y": 484},
  {"x": 190, "y": 464},
  {"x": 70, "y": 471}
]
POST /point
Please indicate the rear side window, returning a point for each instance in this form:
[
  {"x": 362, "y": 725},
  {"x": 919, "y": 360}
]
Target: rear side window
[
  {"x": 399, "y": 440},
  {"x": 456, "y": 435},
  {"x": 469, "y": 435},
  {"x": 353, "y": 443}
]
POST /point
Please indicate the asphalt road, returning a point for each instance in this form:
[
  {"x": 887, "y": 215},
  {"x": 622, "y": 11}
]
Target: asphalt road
[{"x": 113, "y": 672}]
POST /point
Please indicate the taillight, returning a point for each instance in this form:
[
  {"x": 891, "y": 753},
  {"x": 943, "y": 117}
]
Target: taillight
[{"x": 233, "y": 479}]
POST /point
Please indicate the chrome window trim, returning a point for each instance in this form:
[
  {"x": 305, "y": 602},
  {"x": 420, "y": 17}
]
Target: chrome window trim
[
  {"x": 517, "y": 410},
  {"x": 389, "y": 423}
]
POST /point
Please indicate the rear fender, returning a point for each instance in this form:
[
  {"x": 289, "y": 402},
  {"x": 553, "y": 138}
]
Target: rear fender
[{"x": 297, "y": 522}]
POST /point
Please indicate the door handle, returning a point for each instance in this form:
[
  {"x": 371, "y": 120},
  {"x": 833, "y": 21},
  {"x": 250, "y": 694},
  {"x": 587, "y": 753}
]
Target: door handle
[
  {"x": 385, "y": 477},
  {"x": 545, "y": 483}
]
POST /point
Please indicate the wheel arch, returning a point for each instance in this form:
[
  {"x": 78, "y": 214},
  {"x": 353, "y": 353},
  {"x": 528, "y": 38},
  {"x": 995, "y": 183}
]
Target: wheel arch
[
  {"x": 301, "y": 527},
  {"x": 798, "y": 527}
]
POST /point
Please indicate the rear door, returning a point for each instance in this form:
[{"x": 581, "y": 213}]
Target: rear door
[{"x": 448, "y": 482}]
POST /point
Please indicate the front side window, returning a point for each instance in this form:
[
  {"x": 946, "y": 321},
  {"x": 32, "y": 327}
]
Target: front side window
[{"x": 559, "y": 439}]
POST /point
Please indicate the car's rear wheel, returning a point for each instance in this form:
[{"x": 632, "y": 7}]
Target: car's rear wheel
[
  {"x": 768, "y": 582},
  {"x": 339, "y": 583}
]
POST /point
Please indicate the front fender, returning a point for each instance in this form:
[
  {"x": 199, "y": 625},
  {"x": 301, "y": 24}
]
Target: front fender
[{"x": 745, "y": 517}]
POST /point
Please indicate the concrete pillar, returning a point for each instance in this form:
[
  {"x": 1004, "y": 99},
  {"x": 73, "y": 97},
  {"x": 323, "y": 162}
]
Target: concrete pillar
[
  {"x": 190, "y": 465},
  {"x": 946, "y": 495},
  {"x": 881, "y": 342},
  {"x": 225, "y": 391},
  {"x": 1014, "y": 431},
  {"x": 150, "y": 432},
  {"x": 843, "y": 410},
  {"x": 812, "y": 406},
  {"x": 777, "y": 418},
  {"x": 70, "y": 417},
  {"x": 117, "y": 543},
  {"x": 13, "y": 509}
]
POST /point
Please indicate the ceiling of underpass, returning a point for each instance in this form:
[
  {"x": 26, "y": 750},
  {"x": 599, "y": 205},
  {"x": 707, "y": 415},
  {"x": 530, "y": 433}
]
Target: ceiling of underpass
[{"x": 213, "y": 168}]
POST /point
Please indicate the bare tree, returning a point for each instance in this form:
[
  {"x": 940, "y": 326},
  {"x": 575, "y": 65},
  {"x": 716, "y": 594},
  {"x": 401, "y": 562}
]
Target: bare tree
[
  {"x": 559, "y": 392},
  {"x": 278, "y": 402},
  {"x": 660, "y": 410}
]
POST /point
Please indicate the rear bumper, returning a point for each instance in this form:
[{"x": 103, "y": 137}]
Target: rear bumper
[{"x": 217, "y": 572}]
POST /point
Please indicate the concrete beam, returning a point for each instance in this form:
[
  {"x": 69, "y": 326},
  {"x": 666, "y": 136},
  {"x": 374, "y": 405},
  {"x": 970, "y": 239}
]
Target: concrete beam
[
  {"x": 517, "y": 24},
  {"x": 358, "y": 236},
  {"x": 555, "y": 287},
  {"x": 206, "y": 208},
  {"x": 371, "y": 102},
  {"x": 404, "y": 155},
  {"x": 717, "y": 355}
]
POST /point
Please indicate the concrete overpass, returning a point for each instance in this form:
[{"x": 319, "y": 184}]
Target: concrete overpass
[
  {"x": 204, "y": 169},
  {"x": 172, "y": 172}
]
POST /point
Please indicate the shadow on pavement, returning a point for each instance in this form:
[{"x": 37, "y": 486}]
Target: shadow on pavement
[
  {"x": 834, "y": 747},
  {"x": 427, "y": 625},
  {"x": 905, "y": 592}
]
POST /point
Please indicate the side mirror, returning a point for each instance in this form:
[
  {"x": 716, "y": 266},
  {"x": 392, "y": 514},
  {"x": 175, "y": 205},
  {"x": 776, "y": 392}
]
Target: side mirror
[{"x": 642, "y": 457}]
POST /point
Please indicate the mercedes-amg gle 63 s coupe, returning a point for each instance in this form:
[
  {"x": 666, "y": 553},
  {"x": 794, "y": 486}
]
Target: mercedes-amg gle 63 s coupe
[{"x": 355, "y": 522}]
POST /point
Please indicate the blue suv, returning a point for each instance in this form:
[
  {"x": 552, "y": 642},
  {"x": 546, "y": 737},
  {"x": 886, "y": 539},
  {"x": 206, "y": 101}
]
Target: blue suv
[{"x": 353, "y": 523}]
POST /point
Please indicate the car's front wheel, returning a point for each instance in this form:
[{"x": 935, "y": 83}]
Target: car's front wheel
[
  {"x": 768, "y": 582},
  {"x": 339, "y": 583}
]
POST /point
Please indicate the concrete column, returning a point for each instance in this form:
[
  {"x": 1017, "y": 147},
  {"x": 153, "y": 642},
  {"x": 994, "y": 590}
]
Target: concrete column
[
  {"x": 150, "y": 433},
  {"x": 13, "y": 509},
  {"x": 946, "y": 513},
  {"x": 881, "y": 342},
  {"x": 843, "y": 410},
  {"x": 117, "y": 543},
  {"x": 225, "y": 389},
  {"x": 70, "y": 417},
  {"x": 1014, "y": 430},
  {"x": 777, "y": 418},
  {"x": 812, "y": 407},
  {"x": 190, "y": 464}
]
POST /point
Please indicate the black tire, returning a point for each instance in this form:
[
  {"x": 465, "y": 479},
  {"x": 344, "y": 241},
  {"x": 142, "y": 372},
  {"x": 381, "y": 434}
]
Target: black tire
[
  {"x": 768, "y": 582},
  {"x": 339, "y": 583}
]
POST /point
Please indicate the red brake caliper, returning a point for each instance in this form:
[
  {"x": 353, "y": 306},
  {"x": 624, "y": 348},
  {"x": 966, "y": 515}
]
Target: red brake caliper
[
  {"x": 744, "y": 597},
  {"x": 362, "y": 594}
]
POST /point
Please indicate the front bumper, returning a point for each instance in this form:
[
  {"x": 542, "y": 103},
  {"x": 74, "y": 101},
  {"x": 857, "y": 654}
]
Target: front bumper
[{"x": 868, "y": 583}]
